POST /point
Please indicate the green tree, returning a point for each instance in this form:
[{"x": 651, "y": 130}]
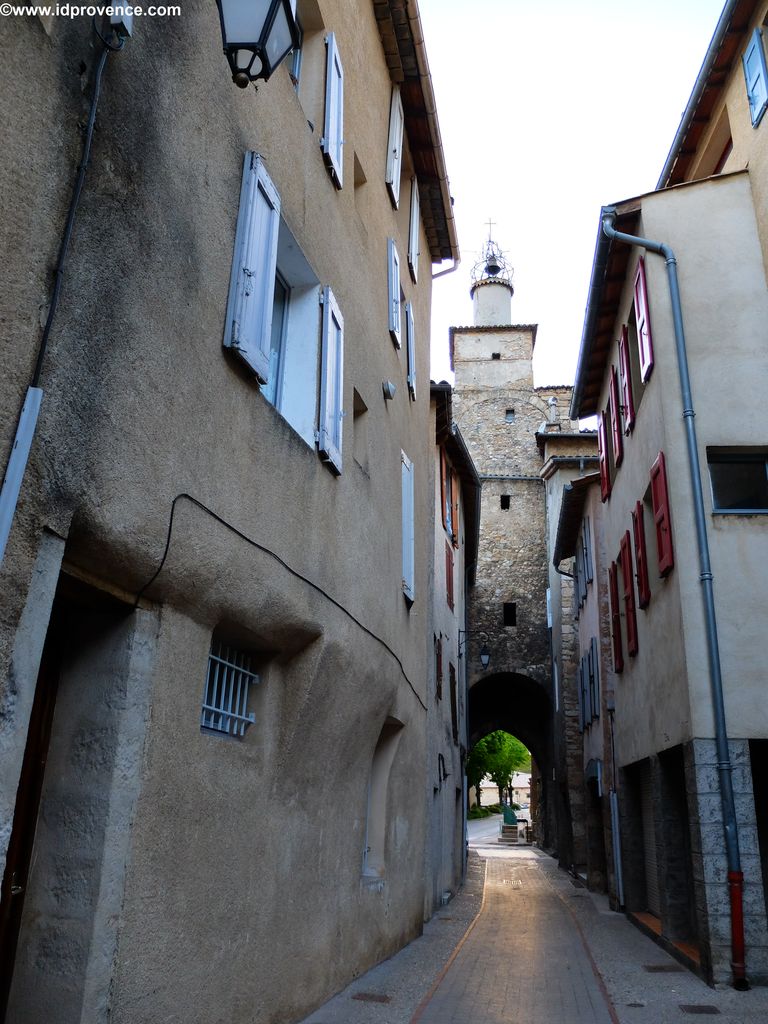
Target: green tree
[{"x": 499, "y": 755}]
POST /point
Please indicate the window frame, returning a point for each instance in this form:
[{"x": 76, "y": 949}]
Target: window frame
[
  {"x": 330, "y": 429},
  {"x": 394, "y": 293},
  {"x": 414, "y": 230},
  {"x": 408, "y": 528},
  {"x": 743, "y": 457},
  {"x": 643, "y": 322},
  {"x": 410, "y": 348},
  {"x": 394, "y": 166},
  {"x": 235, "y": 667},
  {"x": 332, "y": 141}
]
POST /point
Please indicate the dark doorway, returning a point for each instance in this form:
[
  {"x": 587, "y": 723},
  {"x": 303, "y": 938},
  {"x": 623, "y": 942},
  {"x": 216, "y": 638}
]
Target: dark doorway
[{"x": 758, "y": 755}]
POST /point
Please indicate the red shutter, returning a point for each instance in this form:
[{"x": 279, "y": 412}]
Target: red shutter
[
  {"x": 613, "y": 591},
  {"x": 613, "y": 407},
  {"x": 625, "y": 371},
  {"x": 602, "y": 451},
  {"x": 644, "y": 339},
  {"x": 629, "y": 594},
  {"x": 449, "y": 574},
  {"x": 641, "y": 557},
  {"x": 661, "y": 517}
]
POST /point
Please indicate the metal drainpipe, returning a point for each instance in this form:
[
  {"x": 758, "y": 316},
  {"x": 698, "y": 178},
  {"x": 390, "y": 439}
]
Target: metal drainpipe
[{"x": 724, "y": 767}]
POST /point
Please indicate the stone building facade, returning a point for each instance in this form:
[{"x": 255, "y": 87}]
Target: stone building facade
[
  {"x": 500, "y": 412},
  {"x": 215, "y": 598}
]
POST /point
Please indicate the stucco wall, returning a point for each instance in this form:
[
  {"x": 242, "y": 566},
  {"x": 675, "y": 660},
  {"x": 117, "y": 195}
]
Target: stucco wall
[{"x": 141, "y": 404}]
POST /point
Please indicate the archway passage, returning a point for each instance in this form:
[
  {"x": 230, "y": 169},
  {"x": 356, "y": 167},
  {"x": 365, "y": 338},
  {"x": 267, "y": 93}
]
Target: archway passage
[{"x": 521, "y": 706}]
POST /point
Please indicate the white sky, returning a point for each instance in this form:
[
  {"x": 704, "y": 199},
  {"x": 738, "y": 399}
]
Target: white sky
[{"x": 548, "y": 110}]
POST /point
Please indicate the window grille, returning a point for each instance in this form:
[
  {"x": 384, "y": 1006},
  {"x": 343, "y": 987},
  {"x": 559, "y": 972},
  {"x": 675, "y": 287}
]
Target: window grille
[{"x": 225, "y": 700}]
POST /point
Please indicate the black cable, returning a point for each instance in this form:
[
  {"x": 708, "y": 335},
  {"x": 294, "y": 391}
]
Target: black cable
[
  {"x": 280, "y": 561},
  {"x": 108, "y": 48}
]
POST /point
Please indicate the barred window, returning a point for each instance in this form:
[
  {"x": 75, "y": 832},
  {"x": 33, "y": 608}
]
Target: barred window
[{"x": 227, "y": 685}]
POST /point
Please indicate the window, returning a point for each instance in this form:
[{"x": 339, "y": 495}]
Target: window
[
  {"x": 393, "y": 290},
  {"x": 332, "y": 142},
  {"x": 510, "y": 613},
  {"x": 641, "y": 556},
  {"x": 495, "y": 355},
  {"x": 360, "y": 430},
  {"x": 410, "y": 347},
  {"x": 630, "y": 615},
  {"x": 454, "y": 702},
  {"x": 505, "y": 502},
  {"x": 439, "y": 667},
  {"x": 449, "y": 574},
  {"x": 332, "y": 383},
  {"x": 613, "y": 594},
  {"x": 586, "y": 541},
  {"x": 227, "y": 687},
  {"x": 509, "y": 415},
  {"x": 395, "y": 146},
  {"x": 374, "y": 851},
  {"x": 449, "y": 498},
  {"x": 617, "y": 440},
  {"x": 643, "y": 322},
  {"x": 273, "y": 321},
  {"x": 625, "y": 373},
  {"x": 413, "y": 231},
  {"x": 739, "y": 480},
  {"x": 593, "y": 668},
  {"x": 661, "y": 516},
  {"x": 296, "y": 57},
  {"x": 602, "y": 455},
  {"x": 756, "y": 76},
  {"x": 408, "y": 527}
]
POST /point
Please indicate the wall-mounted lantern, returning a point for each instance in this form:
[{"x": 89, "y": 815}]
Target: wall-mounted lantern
[
  {"x": 257, "y": 35},
  {"x": 485, "y": 653}
]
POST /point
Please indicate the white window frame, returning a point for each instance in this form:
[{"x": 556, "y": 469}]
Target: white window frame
[
  {"x": 408, "y": 527},
  {"x": 229, "y": 677},
  {"x": 330, "y": 430},
  {"x": 410, "y": 346},
  {"x": 414, "y": 231},
  {"x": 332, "y": 142},
  {"x": 252, "y": 280},
  {"x": 395, "y": 146},
  {"x": 394, "y": 291}
]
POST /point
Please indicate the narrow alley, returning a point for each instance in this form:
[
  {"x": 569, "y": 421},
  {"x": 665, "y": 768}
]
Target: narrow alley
[{"x": 522, "y": 943}]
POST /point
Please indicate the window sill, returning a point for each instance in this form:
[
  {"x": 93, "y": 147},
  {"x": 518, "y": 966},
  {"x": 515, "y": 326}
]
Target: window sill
[{"x": 745, "y": 512}]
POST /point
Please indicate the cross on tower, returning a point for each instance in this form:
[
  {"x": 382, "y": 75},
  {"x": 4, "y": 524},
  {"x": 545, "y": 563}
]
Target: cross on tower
[{"x": 491, "y": 224}]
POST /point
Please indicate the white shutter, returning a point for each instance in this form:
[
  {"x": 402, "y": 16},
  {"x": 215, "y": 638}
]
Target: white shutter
[
  {"x": 413, "y": 231},
  {"x": 252, "y": 281},
  {"x": 756, "y": 75},
  {"x": 410, "y": 343},
  {"x": 408, "y": 526},
  {"x": 395, "y": 146},
  {"x": 587, "y": 542},
  {"x": 332, "y": 141},
  {"x": 329, "y": 434},
  {"x": 393, "y": 286}
]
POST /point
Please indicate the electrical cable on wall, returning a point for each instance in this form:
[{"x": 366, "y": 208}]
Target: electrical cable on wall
[{"x": 268, "y": 551}]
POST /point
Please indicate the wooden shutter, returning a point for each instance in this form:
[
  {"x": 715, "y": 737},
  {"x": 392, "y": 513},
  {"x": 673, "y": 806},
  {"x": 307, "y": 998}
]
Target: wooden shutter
[
  {"x": 594, "y": 662},
  {"x": 756, "y": 75},
  {"x": 643, "y": 320},
  {"x": 580, "y": 691},
  {"x": 613, "y": 406},
  {"x": 613, "y": 593},
  {"x": 625, "y": 372},
  {"x": 641, "y": 556},
  {"x": 439, "y": 666},
  {"x": 602, "y": 453},
  {"x": 586, "y": 540},
  {"x": 252, "y": 281},
  {"x": 629, "y": 594},
  {"x": 455, "y": 509},
  {"x": 393, "y": 289},
  {"x": 414, "y": 230},
  {"x": 410, "y": 346},
  {"x": 331, "y": 382},
  {"x": 395, "y": 146},
  {"x": 332, "y": 142},
  {"x": 661, "y": 516},
  {"x": 408, "y": 526},
  {"x": 449, "y": 574}
]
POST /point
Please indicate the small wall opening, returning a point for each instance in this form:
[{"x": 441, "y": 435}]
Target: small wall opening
[{"x": 374, "y": 854}]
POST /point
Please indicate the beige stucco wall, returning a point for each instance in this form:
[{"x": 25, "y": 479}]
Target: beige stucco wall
[
  {"x": 141, "y": 404},
  {"x": 663, "y": 697}
]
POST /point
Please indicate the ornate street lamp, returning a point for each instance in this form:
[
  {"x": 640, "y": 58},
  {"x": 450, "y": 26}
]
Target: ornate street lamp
[
  {"x": 257, "y": 35},
  {"x": 485, "y": 654}
]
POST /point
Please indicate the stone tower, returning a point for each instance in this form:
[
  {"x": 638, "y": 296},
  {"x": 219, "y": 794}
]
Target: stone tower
[{"x": 502, "y": 417}]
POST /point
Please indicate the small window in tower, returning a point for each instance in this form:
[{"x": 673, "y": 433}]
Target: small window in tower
[
  {"x": 495, "y": 355},
  {"x": 509, "y": 415},
  {"x": 510, "y": 613},
  {"x": 505, "y": 502}
]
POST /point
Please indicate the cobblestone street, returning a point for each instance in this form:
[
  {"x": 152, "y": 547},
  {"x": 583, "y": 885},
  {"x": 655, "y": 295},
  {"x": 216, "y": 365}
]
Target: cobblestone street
[{"x": 537, "y": 950}]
